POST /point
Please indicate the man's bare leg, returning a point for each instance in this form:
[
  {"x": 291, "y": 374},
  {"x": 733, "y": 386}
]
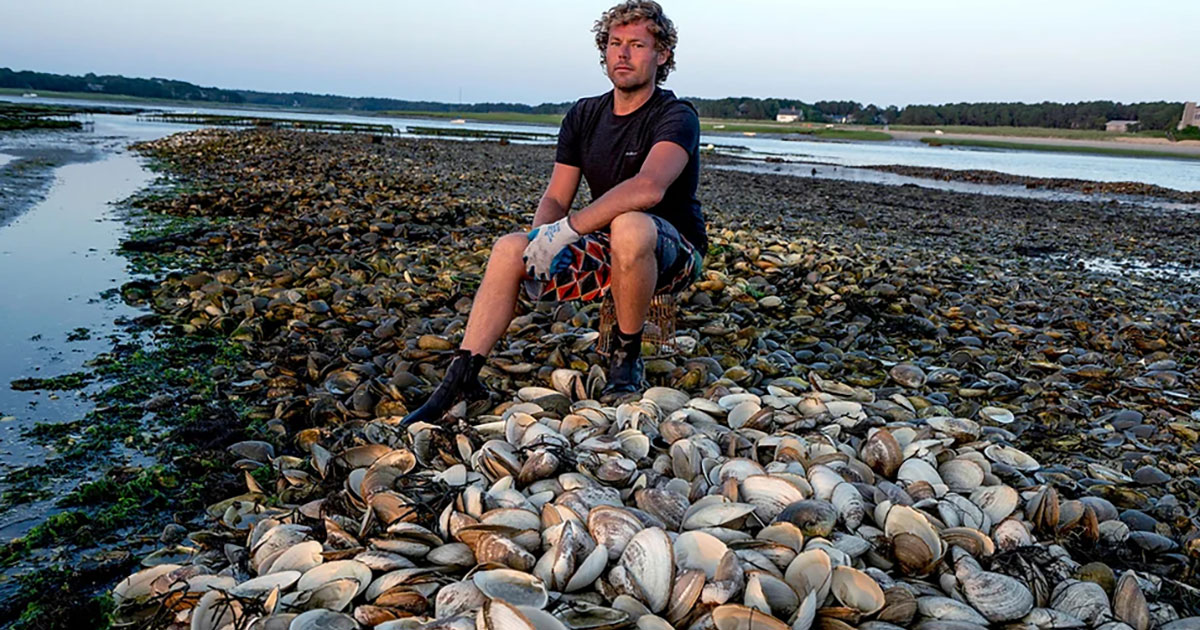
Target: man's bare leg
[
  {"x": 634, "y": 268},
  {"x": 634, "y": 275},
  {"x": 491, "y": 313},
  {"x": 496, "y": 300}
]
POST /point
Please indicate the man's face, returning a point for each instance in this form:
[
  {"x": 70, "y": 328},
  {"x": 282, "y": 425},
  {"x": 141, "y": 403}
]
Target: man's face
[{"x": 630, "y": 58}]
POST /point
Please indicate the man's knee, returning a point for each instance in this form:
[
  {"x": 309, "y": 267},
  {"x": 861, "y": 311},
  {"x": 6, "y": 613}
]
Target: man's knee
[
  {"x": 509, "y": 248},
  {"x": 633, "y": 234}
]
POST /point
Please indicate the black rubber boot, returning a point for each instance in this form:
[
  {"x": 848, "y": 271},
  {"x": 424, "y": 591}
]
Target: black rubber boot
[
  {"x": 626, "y": 370},
  {"x": 462, "y": 381}
]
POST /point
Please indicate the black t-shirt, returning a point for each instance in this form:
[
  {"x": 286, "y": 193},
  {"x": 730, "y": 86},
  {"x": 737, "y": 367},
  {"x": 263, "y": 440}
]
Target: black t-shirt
[{"x": 610, "y": 149}]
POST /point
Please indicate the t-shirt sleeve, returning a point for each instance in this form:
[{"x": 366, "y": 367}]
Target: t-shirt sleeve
[
  {"x": 679, "y": 124},
  {"x": 569, "y": 150}
]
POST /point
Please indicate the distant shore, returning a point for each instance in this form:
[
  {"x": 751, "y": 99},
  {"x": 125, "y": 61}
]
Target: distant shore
[
  {"x": 1150, "y": 143},
  {"x": 1127, "y": 144}
]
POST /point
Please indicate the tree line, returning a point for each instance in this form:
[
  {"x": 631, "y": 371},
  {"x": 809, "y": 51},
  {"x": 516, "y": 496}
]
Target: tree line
[
  {"x": 1084, "y": 115},
  {"x": 117, "y": 85}
]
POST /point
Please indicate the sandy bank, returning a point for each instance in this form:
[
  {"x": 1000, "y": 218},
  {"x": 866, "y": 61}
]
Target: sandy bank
[{"x": 1186, "y": 147}]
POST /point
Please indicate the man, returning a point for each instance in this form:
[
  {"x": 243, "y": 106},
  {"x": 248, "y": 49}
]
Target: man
[{"x": 643, "y": 233}]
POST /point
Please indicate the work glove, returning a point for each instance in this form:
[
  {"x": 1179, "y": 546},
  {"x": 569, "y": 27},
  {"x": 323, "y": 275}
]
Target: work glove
[{"x": 547, "y": 253}]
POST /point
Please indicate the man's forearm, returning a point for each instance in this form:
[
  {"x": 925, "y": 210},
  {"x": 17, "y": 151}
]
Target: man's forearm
[
  {"x": 635, "y": 194},
  {"x": 548, "y": 211}
]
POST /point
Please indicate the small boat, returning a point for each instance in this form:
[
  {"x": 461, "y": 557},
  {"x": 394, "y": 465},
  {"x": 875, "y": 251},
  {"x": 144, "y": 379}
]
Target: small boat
[
  {"x": 30, "y": 95},
  {"x": 718, "y": 126},
  {"x": 750, "y": 133},
  {"x": 458, "y": 121}
]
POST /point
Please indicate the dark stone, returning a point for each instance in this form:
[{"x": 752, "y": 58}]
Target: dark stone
[
  {"x": 1150, "y": 476},
  {"x": 1138, "y": 520}
]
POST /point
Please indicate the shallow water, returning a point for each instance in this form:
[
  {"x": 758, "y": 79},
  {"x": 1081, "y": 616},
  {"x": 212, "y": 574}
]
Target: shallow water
[
  {"x": 1128, "y": 266},
  {"x": 55, "y": 261},
  {"x": 1180, "y": 174},
  {"x": 849, "y": 173}
]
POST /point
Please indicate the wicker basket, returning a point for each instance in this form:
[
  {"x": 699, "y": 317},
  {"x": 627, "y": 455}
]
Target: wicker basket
[{"x": 658, "y": 333}]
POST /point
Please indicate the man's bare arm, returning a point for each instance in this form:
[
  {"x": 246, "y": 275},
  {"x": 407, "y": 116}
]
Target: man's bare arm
[
  {"x": 643, "y": 191},
  {"x": 560, "y": 192}
]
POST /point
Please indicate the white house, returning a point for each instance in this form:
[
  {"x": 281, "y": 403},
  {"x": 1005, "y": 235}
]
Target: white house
[{"x": 788, "y": 115}]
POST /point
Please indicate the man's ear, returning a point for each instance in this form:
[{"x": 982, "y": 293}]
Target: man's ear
[{"x": 663, "y": 56}]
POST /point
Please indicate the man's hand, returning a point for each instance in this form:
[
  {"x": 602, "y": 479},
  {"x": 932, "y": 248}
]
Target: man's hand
[{"x": 546, "y": 253}]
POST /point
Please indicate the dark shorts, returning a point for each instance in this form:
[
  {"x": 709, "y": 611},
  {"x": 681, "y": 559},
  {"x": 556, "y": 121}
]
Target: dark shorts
[{"x": 590, "y": 273}]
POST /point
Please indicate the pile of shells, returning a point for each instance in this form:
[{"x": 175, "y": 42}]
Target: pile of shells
[
  {"x": 797, "y": 508},
  {"x": 845, "y": 439}
]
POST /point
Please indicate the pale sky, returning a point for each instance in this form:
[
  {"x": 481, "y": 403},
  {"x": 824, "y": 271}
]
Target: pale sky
[{"x": 534, "y": 51}]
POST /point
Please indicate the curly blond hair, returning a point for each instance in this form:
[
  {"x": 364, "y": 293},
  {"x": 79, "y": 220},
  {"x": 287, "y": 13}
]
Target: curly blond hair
[{"x": 665, "y": 36}]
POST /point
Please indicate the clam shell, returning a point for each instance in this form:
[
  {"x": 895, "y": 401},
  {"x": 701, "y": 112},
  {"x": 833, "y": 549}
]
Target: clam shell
[
  {"x": 1129, "y": 603},
  {"x": 902, "y": 519},
  {"x": 716, "y": 515},
  {"x": 139, "y": 586},
  {"x": 961, "y": 475},
  {"x": 613, "y": 527},
  {"x": 855, "y": 589},
  {"x": 1012, "y": 457},
  {"x": 648, "y": 559},
  {"x": 737, "y": 617},
  {"x": 810, "y": 572},
  {"x": 947, "y": 609},
  {"x": 685, "y": 593},
  {"x": 515, "y": 587},
  {"x": 263, "y": 584},
  {"x": 849, "y": 504},
  {"x": 499, "y": 614},
  {"x": 1051, "y": 619},
  {"x": 907, "y": 375},
  {"x": 997, "y": 597},
  {"x": 769, "y": 495},
  {"x": 458, "y": 597},
  {"x": 882, "y": 453},
  {"x": 699, "y": 550},
  {"x": 900, "y": 606},
  {"x": 322, "y": 620},
  {"x": 1085, "y": 601},
  {"x": 331, "y": 571},
  {"x": 996, "y": 501}
]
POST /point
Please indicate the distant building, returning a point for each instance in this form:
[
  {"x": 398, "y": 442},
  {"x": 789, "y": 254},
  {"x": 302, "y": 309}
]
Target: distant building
[
  {"x": 1121, "y": 126},
  {"x": 788, "y": 115},
  {"x": 1191, "y": 116}
]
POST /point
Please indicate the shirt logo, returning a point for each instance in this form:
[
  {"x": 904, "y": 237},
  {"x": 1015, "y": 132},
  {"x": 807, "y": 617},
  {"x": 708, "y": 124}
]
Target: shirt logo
[{"x": 631, "y": 154}]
